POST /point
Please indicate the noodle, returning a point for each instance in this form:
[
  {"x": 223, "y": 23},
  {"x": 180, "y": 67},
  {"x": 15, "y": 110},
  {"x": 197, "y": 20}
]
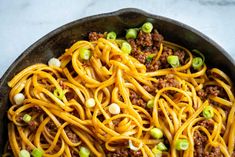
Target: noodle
[{"x": 62, "y": 123}]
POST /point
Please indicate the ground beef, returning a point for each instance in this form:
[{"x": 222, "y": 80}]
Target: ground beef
[
  {"x": 207, "y": 124},
  {"x": 153, "y": 67},
  {"x": 160, "y": 113},
  {"x": 134, "y": 48},
  {"x": 200, "y": 140},
  {"x": 37, "y": 109},
  {"x": 120, "y": 152},
  {"x": 19, "y": 119},
  {"x": 93, "y": 36},
  {"x": 133, "y": 94},
  {"x": 149, "y": 49},
  {"x": 163, "y": 58},
  {"x": 215, "y": 152},
  {"x": 167, "y": 81},
  {"x": 181, "y": 55},
  {"x": 136, "y": 153},
  {"x": 144, "y": 39},
  {"x": 213, "y": 90},
  {"x": 120, "y": 98},
  {"x": 72, "y": 95},
  {"x": 141, "y": 57},
  {"x": 51, "y": 126},
  {"x": 63, "y": 86},
  {"x": 144, "y": 45},
  {"x": 149, "y": 43},
  {"x": 202, "y": 94},
  {"x": 137, "y": 100},
  {"x": 148, "y": 89},
  {"x": 33, "y": 125},
  {"x": 73, "y": 153},
  {"x": 157, "y": 38},
  {"x": 72, "y": 136}
]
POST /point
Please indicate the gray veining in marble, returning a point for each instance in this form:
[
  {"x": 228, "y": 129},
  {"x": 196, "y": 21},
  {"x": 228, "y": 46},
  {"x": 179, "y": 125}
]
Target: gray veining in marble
[{"x": 22, "y": 22}]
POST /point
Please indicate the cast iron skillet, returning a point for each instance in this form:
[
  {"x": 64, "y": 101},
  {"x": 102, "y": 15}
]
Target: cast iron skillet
[{"x": 54, "y": 43}]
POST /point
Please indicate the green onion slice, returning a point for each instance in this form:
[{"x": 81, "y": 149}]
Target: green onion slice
[
  {"x": 156, "y": 152},
  {"x": 150, "y": 103},
  {"x": 111, "y": 35},
  {"x": 208, "y": 112},
  {"x": 156, "y": 133},
  {"x": 119, "y": 42},
  {"x": 131, "y": 33},
  {"x": 59, "y": 93},
  {"x": 37, "y": 152},
  {"x": 84, "y": 53},
  {"x": 24, "y": 153},
  {"x": 173, "y": 61},
  {"x": 84, "y": 152},
  {"x": 197, "y": 63},
  {"x": 126, "y": 47},
  {"x": 182, "y": 144},
  {"x": 200, "y": 54},
  {"x": 147, "y": 27},
  {"x": 149, "y": 58},
  {"x": 27, "y": 118},
  {"x": 161, "y": 146}
]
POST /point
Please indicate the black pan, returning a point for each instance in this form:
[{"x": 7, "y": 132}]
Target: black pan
[{"x": 54, "y": 43}]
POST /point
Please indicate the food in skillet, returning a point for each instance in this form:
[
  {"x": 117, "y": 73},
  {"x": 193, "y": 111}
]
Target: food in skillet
[{"x": 118, "y": 97}]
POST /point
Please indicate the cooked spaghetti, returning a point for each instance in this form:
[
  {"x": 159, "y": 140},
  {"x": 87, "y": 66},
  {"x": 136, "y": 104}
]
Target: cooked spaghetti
[{"x": 135, "y": 96}]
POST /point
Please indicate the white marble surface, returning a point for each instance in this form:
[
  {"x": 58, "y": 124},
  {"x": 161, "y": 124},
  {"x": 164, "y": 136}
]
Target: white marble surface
[{"x": 22, "y": 22}]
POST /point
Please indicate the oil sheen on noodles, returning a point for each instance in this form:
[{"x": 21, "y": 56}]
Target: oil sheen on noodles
[{"x": 108, "y": 77}]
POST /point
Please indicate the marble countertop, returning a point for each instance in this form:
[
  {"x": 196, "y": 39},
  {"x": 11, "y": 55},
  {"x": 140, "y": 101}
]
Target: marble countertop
[{"x": 25, "y": 21}]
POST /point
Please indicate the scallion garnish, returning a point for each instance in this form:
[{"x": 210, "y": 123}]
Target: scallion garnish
[
  {"x": 131, "y": 33},
  {"x": 156, "y": 133},
  {"x": 147, "y": 27},
  {"x": 84, "y": 53},
  {"x": 173, "y": 61},
  {"x": 208, "y": 112},
  {"x": 27, "y": 118},
  {"x": 24, "y": 153},
  {"x": 37, "y": 152},
  {"x": 182, "y": 144},
  {"x": 149, "y": 58},
  {"x": 126, "y": 47},
  {"x": 84, "y": 152},
  {"x": 111, "y": 35},
  {"x": 59, "y": 93},
  {"x": 197, "y": 63}
]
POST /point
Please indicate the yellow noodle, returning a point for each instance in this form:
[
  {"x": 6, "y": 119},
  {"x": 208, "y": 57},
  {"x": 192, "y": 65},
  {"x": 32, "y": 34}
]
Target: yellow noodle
[{"x": 62, "y": 123}]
